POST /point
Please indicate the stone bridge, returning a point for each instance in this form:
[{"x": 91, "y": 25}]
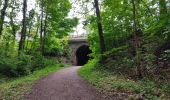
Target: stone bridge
[{"x": 79, "y": 51}]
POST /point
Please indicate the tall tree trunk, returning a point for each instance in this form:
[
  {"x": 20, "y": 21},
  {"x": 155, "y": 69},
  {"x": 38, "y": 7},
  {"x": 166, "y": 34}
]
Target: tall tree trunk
[
  {"x": 100, "y": 27},
  {"x": 45, "y": 32},
  {"x": 41, "y": 31},
  {"x": 23, "y": 32},
  {"x": 3, "y": 13},
  {"x": 136, "y": 40},
  {"x": 12, "y": 24}
]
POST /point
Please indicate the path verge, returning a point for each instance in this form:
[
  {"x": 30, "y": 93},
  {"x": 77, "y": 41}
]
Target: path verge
[
  {"x": 118, "y": 87},
  {"x": 16, "y": 89}
]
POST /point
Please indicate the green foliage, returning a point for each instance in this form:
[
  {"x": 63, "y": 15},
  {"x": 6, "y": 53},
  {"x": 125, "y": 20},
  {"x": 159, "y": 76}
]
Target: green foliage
[
  {"x": 38, "y": 61},
  {"x": 8, "y": 66},
  {"x": 125, "y": 51},
  {"x": 112, "y": 83},
  {"x": 66, "y": 26},
  {"x": 147, "y": 44},
  {"x": 114, "y": 50},
  {"x": 24, "y": 64},
  {"x": 51, "y": 61},
  {"x": 18, "y": 87},
  {"x": 117, "y": 22},
  {"x": 54, "y": 26},
  {"x": 56, "y": 47}
]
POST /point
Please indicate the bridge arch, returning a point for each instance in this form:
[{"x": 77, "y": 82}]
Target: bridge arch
[
  {"x": 82, "y": 55},
  {"x": 79, "y": 49}
]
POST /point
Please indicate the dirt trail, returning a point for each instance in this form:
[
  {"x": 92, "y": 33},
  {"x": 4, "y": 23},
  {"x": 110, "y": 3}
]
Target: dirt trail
[{"x": 64, "y": 85}]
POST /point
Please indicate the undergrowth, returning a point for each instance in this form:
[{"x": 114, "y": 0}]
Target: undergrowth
[{"x": 111, "y": 83}]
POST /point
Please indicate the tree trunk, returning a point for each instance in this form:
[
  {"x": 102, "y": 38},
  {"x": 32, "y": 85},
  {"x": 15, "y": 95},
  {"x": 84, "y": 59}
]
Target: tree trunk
[
  {"x": 12, "y": 24},
  {"x": 45, "y": 32},
  {"x": 23, "y": 32},
  {"x": 41, "y": 31},
  {"x": 136, "y": 41},
  {"x": 3, "y": 13},
  {"x": 100, "y": 27}
]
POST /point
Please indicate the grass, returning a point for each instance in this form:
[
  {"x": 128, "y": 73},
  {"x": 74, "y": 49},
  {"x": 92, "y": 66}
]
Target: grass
[
  {"x": 110, "y": 83},
  {"x": 15, "y": 89}
]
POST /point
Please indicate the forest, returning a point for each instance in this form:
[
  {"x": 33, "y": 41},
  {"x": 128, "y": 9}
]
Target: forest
[{"x": 129, "y": 40}]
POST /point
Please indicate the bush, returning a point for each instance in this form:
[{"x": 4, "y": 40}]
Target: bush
[
  {"x": 38, "y": 61},
  {"x": 50, "y": 61},
  {"x": 119, "y": 60},
  {"x": 16, "y": 66},
  {"x": 24, "y": 64},
  {"x": 8, "y": 67}
]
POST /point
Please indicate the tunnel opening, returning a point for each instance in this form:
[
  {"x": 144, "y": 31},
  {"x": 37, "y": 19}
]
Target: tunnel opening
[{"x": 82, "y": 55}]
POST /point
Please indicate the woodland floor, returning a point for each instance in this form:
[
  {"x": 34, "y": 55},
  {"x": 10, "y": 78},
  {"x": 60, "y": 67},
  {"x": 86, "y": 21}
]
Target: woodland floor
[{"x": 65, "y": 84}]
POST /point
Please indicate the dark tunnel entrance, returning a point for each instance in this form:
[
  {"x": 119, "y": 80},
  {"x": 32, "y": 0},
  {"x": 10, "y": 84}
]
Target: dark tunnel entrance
[{"x": 82, "y": 55}]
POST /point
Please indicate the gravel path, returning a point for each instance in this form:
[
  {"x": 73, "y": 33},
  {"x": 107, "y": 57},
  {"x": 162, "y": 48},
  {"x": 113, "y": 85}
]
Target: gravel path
[{"x": 64, "y": 85}]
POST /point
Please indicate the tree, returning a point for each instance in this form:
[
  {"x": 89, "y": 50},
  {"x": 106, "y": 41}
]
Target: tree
[
  {"x": 41, "y": 30},
  {"x": 14, "y": 6},
  {"x": 136, "y": 40},
  {"x": 23, "y": 31},
  {"x": 3, "y": 13},
  {"x": 100, "y": 27},
  {"x": 45, "y": 33}
]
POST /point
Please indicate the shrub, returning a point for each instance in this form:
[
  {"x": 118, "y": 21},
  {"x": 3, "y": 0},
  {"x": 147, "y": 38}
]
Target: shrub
[
  {"x": 8, "y": 67},
  {"x": 21, "y": 65},
  {"x": 24, "y": 64},
  {"x": 38, "y": 61},
  {"x": 17, "y": 66},
  {"x": 50, "y": 61}
]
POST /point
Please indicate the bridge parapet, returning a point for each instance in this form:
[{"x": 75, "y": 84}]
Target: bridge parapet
[
  {"x": 78, "y": 38},
  {"x": 82, "y": 36}
]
